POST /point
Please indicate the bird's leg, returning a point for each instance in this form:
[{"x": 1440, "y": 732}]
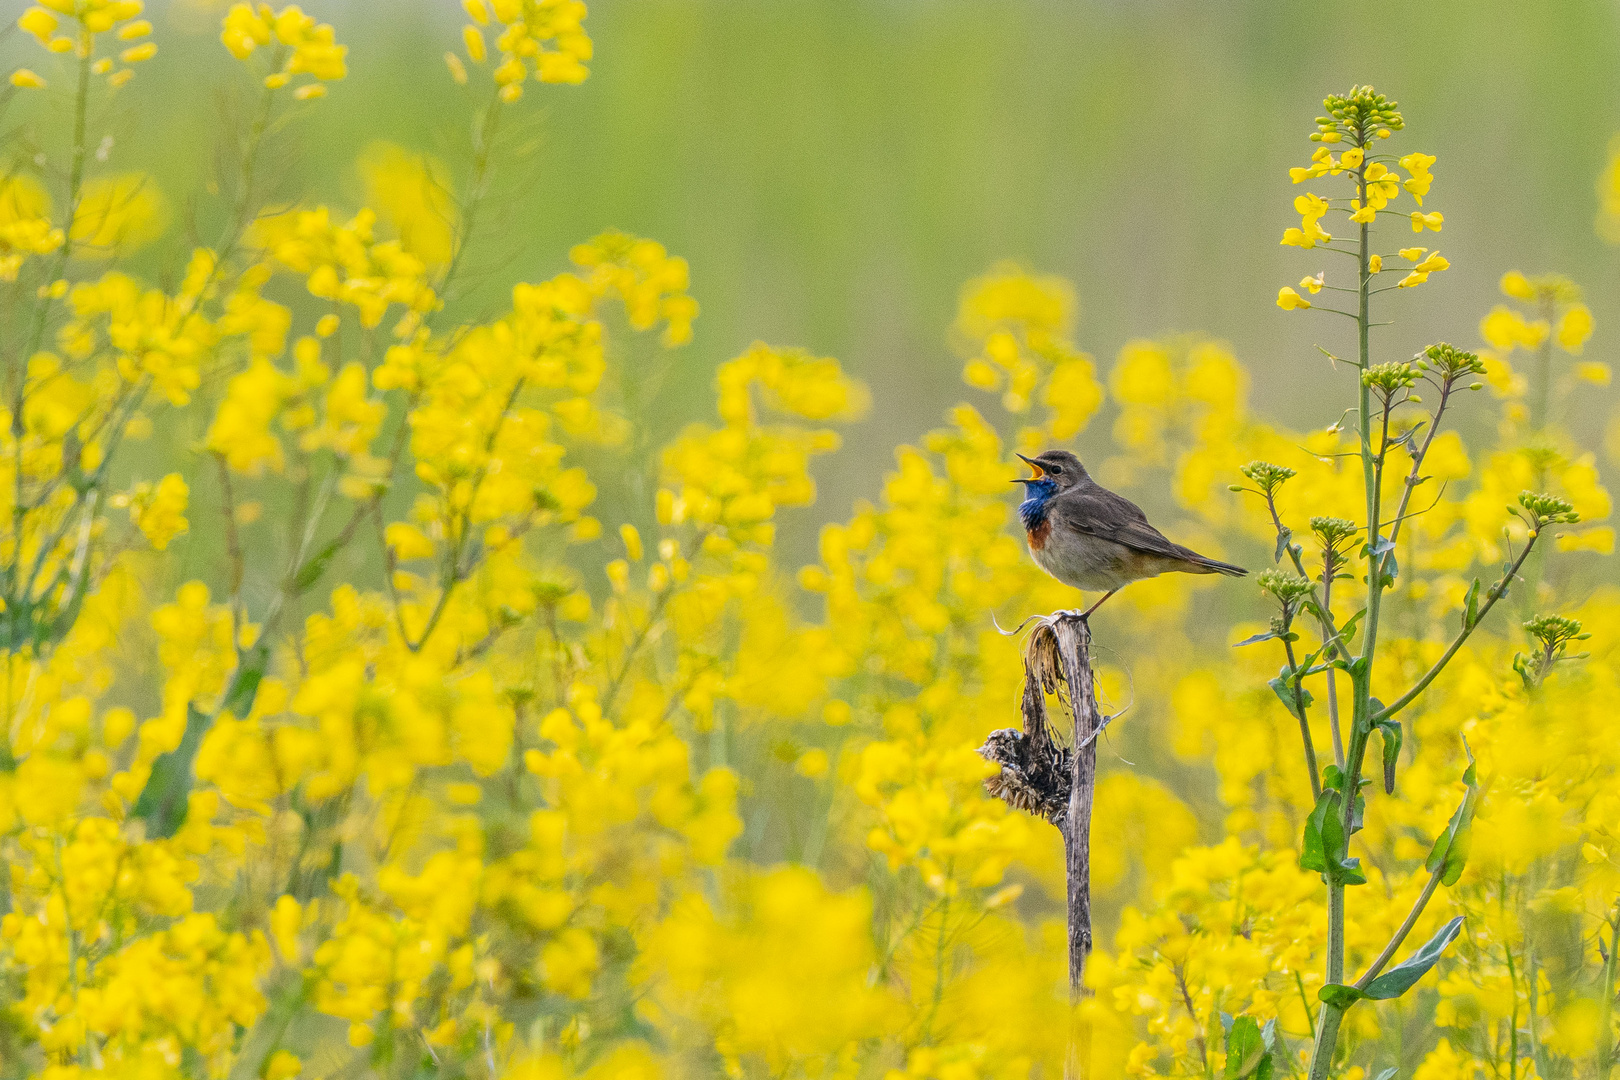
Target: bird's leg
[{"x": 1086, "y": 614}]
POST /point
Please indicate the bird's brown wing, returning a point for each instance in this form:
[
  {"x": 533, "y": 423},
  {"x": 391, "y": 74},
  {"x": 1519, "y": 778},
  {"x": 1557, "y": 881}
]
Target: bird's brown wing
[{"x": 1092, "y": 508}]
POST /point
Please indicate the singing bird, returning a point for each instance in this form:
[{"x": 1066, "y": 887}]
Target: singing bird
[{"x": 1086, "y": 536}]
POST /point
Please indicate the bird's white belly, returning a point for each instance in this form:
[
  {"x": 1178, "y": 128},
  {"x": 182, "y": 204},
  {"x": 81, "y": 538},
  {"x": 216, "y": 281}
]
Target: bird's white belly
[{"x": 1091, "y": 563}]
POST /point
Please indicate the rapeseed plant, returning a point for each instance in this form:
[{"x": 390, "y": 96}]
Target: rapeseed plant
[{"x": 410, "y": 787}]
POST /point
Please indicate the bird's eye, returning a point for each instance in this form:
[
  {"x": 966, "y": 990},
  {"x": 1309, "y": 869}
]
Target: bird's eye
[{"x": 1054, "y": 469}]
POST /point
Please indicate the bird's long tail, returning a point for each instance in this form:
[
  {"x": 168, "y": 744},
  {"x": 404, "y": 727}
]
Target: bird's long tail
[{"x": 1215, "y": 566}]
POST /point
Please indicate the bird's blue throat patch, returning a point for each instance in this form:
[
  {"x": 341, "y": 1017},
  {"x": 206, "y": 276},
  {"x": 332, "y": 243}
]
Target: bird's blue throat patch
[{"x": 1038, "y": 493}]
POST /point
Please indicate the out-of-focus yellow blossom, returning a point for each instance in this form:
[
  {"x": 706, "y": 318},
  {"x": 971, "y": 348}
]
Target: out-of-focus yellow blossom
[
  {"x": 649, "y": 281},
  {"x": 86, "y": 20},
  {"x": 25, "y": 225},
  {"x": 543, "y": 37},
  {"x": 297, "y": 44},
  {"x": 347, "y": 264},
  {"x": 411, "y": 194},
  {"x": 118, "y": 215},
  {"x": 1014, "y": 329},
  {"x": 160, "y": 511},
  {"x": 1608, "y": 192},
  {"x": 746, "y": 971},
  {"x": 1574, "y": 327}
]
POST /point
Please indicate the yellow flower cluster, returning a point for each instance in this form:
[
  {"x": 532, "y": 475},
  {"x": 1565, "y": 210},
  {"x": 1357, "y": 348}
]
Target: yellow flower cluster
[
  {"x": 1014, "y": 329},
  {"x": 545, "y": 37},
  {"x": 120, "y": 18},
  {"x": 297, "y": 44},
  {"x": 347, "y": 264},
  {"x": 650, "y": 282},
  {"x": 1364, "y": 119},
  {"x": 25, "y": 225}
]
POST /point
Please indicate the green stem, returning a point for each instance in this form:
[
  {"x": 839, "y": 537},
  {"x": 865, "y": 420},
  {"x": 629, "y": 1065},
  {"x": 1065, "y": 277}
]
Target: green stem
[
  {"x": 1513, "y": 1019},
  {"x": 1497, "y": 591},
  {"x": 1605, "y": 1048},
  {"x": 17, "y": 610},
  {"x": 1299, "y": 709},
  {"x": 483, "y": 142},
  {"x": 1327, "y": 1029},
  {"x": 242, "y": 209},
  {"x": 1400, "y": 935}
]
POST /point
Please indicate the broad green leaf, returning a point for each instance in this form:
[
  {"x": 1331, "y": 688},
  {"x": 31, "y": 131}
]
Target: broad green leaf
[
  {"x": 1325, "y": 845},
  {"x": 1400, "y": 978},
  {"x": 245, "y": 686},
  {"x": 1246, "y": 1052}
]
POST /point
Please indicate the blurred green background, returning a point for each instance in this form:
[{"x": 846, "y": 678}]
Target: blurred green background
[{"x": 835, "y": 169}]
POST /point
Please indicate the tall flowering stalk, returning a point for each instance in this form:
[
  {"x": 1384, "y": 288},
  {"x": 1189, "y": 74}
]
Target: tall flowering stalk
[{"x": 1356, "y": 126}]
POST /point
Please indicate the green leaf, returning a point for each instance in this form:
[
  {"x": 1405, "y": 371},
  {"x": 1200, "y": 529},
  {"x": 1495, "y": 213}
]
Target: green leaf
[
  {"x": 1387, "y": 1074},
  {"x": 1470, "y": 616},
  {"x": 245, "y": 686},
  {"x": 1391, "y": 731},
  {"x": 1266, "y": 636},
  {"x": 163, "y": 802},
  {"x": 1283, "y": 687},
  {"x": 1325, "y": 844},
  {"x": 1450, "y": 851},
  {"x": 1313, "y": 853},
  {"x": 1247, "y": 1054},
  {"x": 1339, "y": 995},
  {"x": 1400, "y": 978},
  {"x": 1284, "y": 534},
  {"x": 309, "y": 573}
]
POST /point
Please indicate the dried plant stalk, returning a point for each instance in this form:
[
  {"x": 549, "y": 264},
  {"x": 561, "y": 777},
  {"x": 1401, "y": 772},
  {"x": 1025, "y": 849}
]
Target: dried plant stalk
[{"x": 1055, "y": 782}]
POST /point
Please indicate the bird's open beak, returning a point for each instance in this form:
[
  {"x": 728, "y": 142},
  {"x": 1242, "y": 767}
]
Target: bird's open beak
[{"x": 1039, "y": 472}]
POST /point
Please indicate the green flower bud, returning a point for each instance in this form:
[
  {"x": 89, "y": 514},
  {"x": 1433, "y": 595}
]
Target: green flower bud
[
  {"x": 1451, "y": 362},
  {"x": 1287, "y": 588},
  {"x": 1555, "y": 632},
  {"x": 1269, "y": 477},
  {"x": 1389, "y": 379},
  {"x": 1548, "y": 509}
]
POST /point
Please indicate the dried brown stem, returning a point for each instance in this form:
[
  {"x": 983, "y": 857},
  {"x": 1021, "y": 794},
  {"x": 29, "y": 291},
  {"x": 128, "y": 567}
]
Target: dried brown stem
[{"x": 1058, "y": 784}]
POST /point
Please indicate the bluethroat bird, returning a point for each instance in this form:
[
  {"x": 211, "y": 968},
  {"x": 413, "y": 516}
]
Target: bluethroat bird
[{"x": 1086, "y": 536}]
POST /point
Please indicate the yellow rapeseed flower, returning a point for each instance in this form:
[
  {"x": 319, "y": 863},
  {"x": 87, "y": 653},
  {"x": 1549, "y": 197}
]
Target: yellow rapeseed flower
[{"x": 1289, "y": 300}]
